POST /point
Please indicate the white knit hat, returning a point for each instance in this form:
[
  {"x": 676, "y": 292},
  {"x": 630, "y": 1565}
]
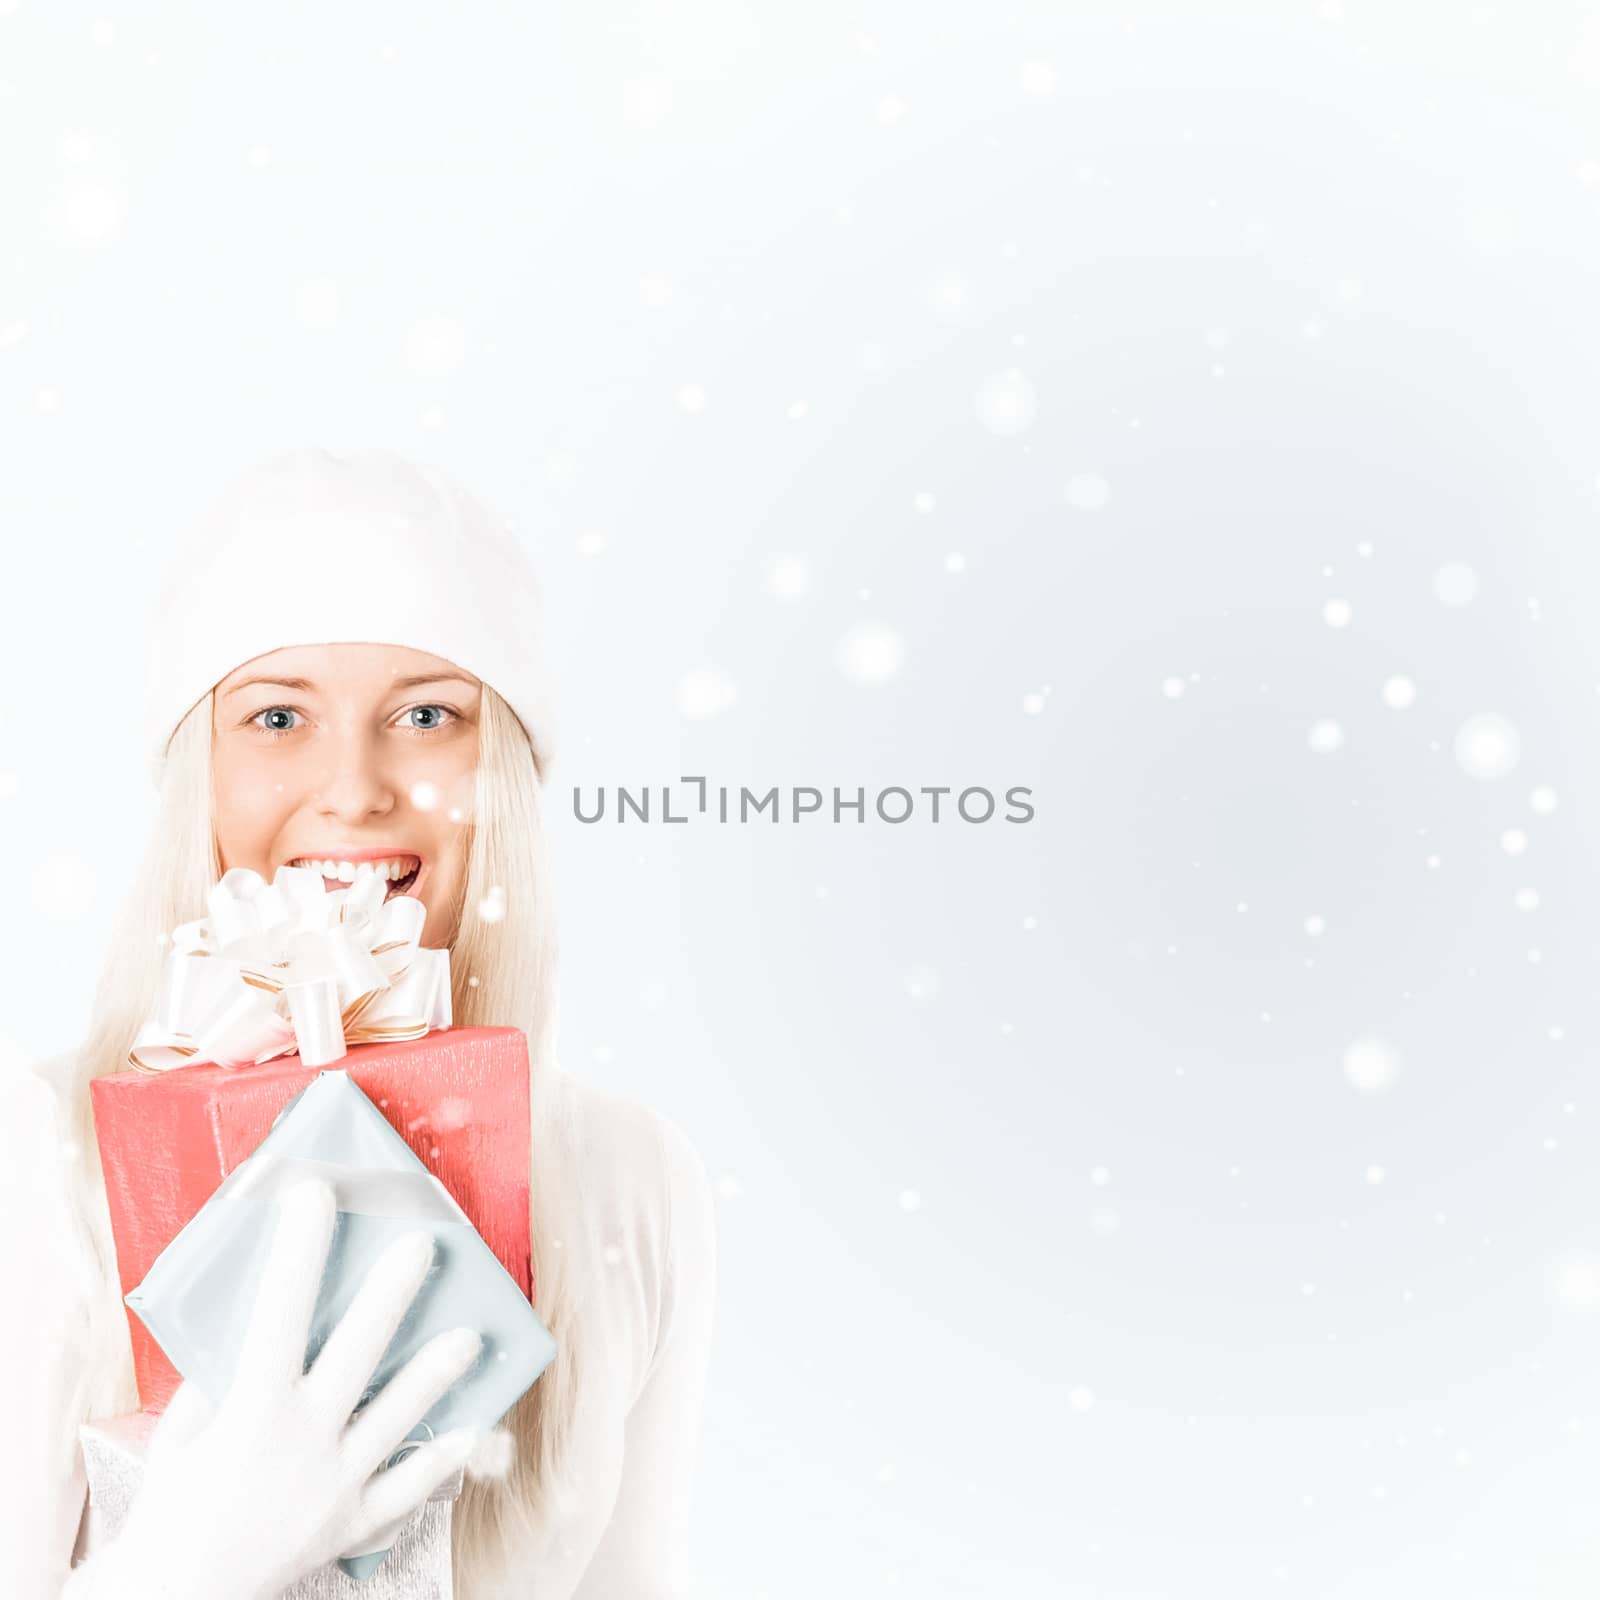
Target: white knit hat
[{"x": 314, "y": 546}]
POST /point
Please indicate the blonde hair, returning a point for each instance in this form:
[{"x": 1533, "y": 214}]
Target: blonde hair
[{"x": 503, "y": 974}]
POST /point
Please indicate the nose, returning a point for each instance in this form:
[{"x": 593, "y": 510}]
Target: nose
[{"x": 355, "y": 785}]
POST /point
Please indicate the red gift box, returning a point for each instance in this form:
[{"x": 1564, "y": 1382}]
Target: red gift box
[{"x": 457, "y": 1096}]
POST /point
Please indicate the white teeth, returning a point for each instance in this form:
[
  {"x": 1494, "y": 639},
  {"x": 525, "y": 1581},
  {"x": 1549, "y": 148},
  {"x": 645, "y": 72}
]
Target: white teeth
[{"x": 389, "y": 871}]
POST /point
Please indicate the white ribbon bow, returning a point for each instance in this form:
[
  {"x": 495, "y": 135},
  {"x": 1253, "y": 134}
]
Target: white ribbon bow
[{"x": 292, "y": 966}]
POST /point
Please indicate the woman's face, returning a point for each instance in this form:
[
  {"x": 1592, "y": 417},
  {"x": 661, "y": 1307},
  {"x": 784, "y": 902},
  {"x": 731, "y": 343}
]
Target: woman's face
[{"x": 344, "y": 753}]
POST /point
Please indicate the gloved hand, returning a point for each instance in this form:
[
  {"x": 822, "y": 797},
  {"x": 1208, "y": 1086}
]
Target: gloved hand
[{"x": 240, "y": 1502}]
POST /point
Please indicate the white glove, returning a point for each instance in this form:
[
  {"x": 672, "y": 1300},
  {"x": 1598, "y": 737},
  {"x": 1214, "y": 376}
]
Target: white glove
[{"x": 242, "y": 1501}]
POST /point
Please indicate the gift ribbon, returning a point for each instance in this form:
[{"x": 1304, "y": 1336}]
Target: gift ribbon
[{"x": 292, "y": 967}]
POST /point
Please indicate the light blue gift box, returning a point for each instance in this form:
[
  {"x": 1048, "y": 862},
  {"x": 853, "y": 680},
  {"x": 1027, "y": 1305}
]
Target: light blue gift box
[{"x": 199, "y": 1293}]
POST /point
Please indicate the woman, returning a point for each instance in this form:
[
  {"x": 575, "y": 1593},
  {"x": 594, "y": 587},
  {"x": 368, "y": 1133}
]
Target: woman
[{"x": 346, "y": 666}]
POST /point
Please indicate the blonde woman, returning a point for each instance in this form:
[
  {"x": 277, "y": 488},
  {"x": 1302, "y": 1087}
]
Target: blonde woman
[{"x": 345, "y": 670}]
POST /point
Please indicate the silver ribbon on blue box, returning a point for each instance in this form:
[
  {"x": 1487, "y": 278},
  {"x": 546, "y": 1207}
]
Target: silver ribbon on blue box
[{"x": 199, "y": 1294}]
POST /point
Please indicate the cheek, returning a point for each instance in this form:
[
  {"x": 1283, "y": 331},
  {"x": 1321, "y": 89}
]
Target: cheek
[
  {"x": 456, "y": 799},
  {"x": 449, "y": 790},
  {"x": 249, "y": 806}
]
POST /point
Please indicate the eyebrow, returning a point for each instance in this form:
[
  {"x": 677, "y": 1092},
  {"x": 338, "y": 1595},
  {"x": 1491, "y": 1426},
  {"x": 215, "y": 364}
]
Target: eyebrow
[{"x": 305, "y": 684}]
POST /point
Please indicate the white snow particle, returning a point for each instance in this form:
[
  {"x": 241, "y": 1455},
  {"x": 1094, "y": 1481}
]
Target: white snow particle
[
  {"x": 870, "y": 653},
  {"x": 1087, "y": 491},
  {"x": 1337, "y": 613},
  {"x": 704, "y": 692},
  {"x": 1005, "y": 402},
  {"x": 1325, "y": 736},
  {"x": 1455, "y": 584},
  {"x": 1544, "y": 800},
  {"x": 1513, "y": 841},
  {"x": 451, "y": 1114},
  {"x": 1573, "y": 1278},
  {"x": 789, "y": 578},
  {"x": 1487, "y": 747},
  {"x": 1399, "y": 693},
  {"x": 1370, "y": 1064}
]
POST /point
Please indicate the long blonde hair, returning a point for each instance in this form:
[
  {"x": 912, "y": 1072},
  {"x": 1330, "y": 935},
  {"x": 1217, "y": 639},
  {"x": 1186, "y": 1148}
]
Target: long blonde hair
[{"x": 503, "y": 974}]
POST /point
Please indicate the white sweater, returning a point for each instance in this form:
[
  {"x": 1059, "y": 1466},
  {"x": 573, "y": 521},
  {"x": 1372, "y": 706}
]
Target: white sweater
[{"x": 625, "y": 1537}]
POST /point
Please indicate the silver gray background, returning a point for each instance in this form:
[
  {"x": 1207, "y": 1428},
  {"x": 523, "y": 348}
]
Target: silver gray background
[{"x": 1088, "y": 1221}]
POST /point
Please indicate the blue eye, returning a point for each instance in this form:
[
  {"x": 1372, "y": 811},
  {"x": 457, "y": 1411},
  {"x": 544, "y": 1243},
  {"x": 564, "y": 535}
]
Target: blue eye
[
  {"x": 441, "y": 717},
  {"x": 438, "y": 711},
  {"x": 274, "y": 711}
]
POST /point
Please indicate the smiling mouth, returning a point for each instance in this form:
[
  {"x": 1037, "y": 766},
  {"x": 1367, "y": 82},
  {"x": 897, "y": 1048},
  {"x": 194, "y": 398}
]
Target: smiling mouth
[{"x": 400, "y": 872}]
